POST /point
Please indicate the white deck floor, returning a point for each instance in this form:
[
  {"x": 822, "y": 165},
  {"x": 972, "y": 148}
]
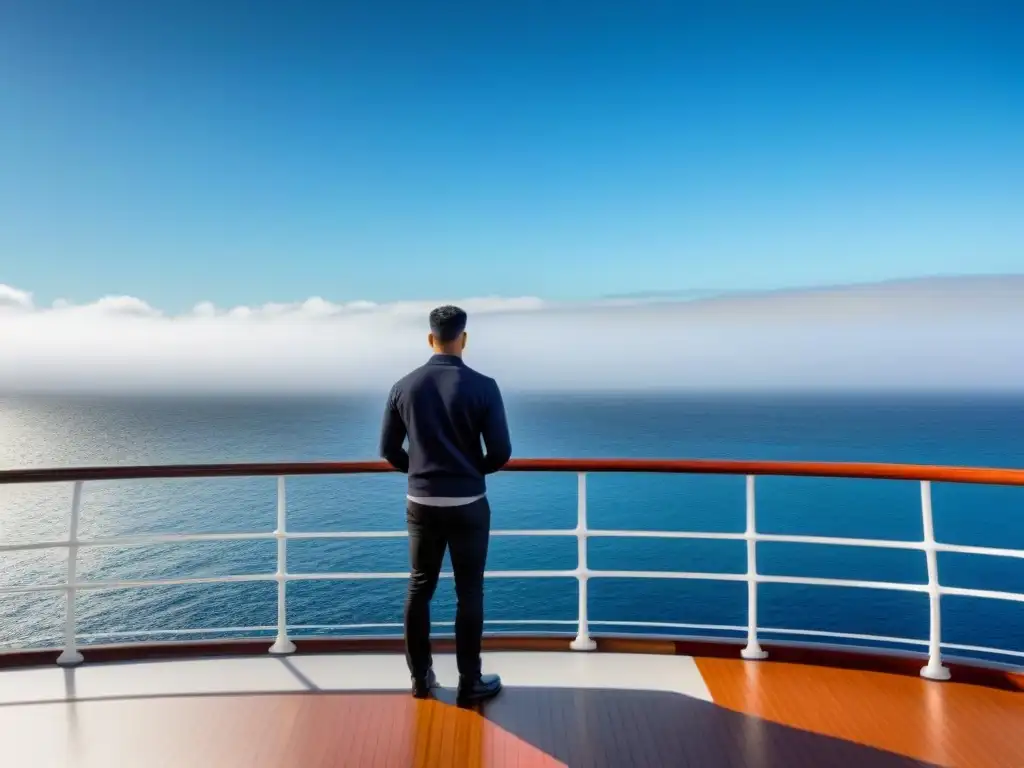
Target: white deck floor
[{"x": 341, "y": 672}]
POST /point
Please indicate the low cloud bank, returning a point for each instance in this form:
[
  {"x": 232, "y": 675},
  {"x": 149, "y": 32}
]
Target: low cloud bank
[{"x": 929, "y": 334}]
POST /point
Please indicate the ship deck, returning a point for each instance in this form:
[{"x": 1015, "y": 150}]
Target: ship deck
[
  {"x": 652, "y": 708},
  {"x": 644, "y": 701}
]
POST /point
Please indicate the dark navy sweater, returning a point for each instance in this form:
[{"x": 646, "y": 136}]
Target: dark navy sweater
[{"x": 445, "y": 408}]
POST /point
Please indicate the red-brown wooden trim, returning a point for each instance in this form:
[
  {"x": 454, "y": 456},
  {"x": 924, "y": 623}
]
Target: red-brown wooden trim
[
  {"x": 824, "y": 657},
  {"x": 978, "y": 475},
  {"x": 947, "y": 474}
]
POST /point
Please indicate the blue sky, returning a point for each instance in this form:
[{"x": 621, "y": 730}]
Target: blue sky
[{"x": 252, "y": 152}]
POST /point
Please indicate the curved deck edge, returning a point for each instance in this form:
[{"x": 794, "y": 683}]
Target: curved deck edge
[{"x": 841, "y": 658}]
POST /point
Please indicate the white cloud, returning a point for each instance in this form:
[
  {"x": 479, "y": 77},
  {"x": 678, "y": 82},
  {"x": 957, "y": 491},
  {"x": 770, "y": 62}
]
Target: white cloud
[
  {"x": 128, "y": 306},
  {"x": 12, "y": 298},
  {"x": 929, "y": 334},
  {"x": 204, "y": 309},
  {"x": 124, "y": 306}
]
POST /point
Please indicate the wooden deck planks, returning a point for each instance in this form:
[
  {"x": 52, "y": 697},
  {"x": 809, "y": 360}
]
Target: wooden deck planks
[
  {"x": 949, "y": 724},
  {"x": 767, "y": 714}
]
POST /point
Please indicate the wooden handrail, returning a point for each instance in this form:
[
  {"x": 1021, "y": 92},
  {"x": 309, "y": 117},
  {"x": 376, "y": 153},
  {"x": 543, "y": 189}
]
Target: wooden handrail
[{"x": 945, "y": 474}]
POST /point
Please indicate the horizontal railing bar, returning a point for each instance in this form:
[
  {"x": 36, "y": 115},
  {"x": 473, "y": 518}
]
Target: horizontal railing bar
[
  {"x": 612, "y": 534},
  {"x": 969, "y": 550},
  {"x": 770, "y": 630},
  {"x": 140, "y": 541},
  {"x": 300, "y": 627},
  {"x": 566, "y": 622},
  {"x": 843, "y": 635},
  {"x": 144, "y": 540},
  {"x": 154, "y": 539},
  {"x": 840, "y": 542},
  {"x": 353, "y": 576},
  {"x": 311, "y": 535},
  {"x": 10, "y": 590},
  {"x": 156, "y": 632},
  {"x": 528, "y": 622},
  {"x": 983, "y": 649},
  {"x": 368, "y": 575},
  {"x": 561, "y": 622},
  {"x": 810, "y": 633},
  {"x": 520, "y": 574},
  {"x": 405, "y": 534},
  {"x": 553, "y": 574},
  {"x": 399, "y": 625},
  {"x": 782, "y": 538},
  {"x": 854, "y": 583},
  {"x": 536, "y": 622},
  {"x": 853, "y": 470},
  {"x": 805, "y": 580},
  {"x": 986, "y": 593},
  {"x": 383, "y": 625},
  {"x": 877, "y": 471},
  {"x": 370, "y": 625},
  {"x": 174, "y": 538},
  {"x": 667, "y": 575},
  {"x": 132, "y": 584},
  {"x": 36, "y": 545},
  {"x": 669, "y": 625}
]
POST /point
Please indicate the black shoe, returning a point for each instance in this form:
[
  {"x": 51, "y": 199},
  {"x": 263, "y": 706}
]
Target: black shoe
[
  {"x": 479, "y": 689},
  {"x": 423, "y": 686}
]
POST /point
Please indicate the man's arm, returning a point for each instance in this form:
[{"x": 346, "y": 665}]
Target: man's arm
[
  {"x": 495, "y": 433},
  {"x": 392, "y": 436}
]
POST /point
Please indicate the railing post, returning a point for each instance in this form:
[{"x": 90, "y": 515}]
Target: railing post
[
  {"x": 70, "y": 655},
  {"x": 583, "y": 641},
  {"x": 282, "y": 644},
  {"x": 753, "y": 650},
  {"x": 934, "y": 669}
]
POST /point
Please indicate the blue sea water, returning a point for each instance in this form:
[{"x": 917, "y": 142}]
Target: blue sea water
[{"x": 984, "y": 430}]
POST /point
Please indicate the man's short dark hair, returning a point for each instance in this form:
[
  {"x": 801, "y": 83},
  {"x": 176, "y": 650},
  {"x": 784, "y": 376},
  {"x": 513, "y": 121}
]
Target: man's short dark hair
[{"x": 447, "y": 323}]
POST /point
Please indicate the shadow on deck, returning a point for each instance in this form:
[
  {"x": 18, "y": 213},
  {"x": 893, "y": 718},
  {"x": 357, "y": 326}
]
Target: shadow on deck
[{"x": 588, "y": 727}]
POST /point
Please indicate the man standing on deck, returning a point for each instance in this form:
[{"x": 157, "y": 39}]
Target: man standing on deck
[{"x": 445, "y": 408}]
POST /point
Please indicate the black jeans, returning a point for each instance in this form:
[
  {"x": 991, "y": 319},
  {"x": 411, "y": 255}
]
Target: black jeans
[{"x": 465, "y": 531}]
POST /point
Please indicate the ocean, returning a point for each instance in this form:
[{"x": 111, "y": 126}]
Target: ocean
[{"x": 67, "y": 431}]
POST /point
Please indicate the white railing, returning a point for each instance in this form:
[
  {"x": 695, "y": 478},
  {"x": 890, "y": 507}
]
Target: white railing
[{"x": 582, "y": 573}]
